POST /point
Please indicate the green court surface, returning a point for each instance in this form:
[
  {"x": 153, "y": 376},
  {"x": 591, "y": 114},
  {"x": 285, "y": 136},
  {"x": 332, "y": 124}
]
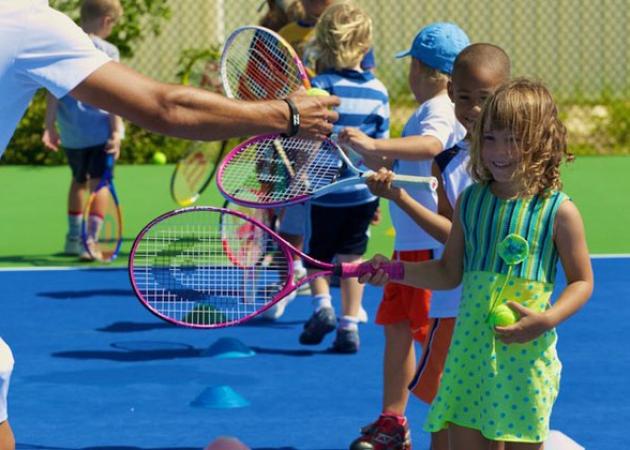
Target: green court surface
[{"x": 33, "y": 221}]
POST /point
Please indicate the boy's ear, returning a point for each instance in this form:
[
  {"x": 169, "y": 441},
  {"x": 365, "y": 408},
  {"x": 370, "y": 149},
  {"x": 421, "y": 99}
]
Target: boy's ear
[{"x": 449, "y": 88}]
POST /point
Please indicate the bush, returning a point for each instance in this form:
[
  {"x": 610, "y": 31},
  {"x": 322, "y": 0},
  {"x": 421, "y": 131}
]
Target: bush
[{"x": 142, "y": 18}]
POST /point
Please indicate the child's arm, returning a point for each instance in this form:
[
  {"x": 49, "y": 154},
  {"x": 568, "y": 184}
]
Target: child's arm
[
  {"x": 113, "y": 144},
  {"x": 440, "y": 274},
  {"x": 51, "y": 138},
  {"x": 411, "y": 148},
  {"x": 437, "y": 225},
  {"x": 570, "y": 241}
]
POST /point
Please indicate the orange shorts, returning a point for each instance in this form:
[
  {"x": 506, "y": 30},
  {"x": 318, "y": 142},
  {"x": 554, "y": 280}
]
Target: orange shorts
[
  {"x": 426, "y": 381},
  {"x": 402, "y": 302}
]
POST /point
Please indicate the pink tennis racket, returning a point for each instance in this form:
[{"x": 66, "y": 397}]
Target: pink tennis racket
[
  {"x": 258, "y": 64},
  {"x": 180, "y": 269},
  {"x": 269, "y": 171}
]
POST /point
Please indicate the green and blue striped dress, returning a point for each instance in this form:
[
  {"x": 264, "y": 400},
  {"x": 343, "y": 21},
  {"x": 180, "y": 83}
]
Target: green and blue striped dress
[{"x": 504, "y": 391}]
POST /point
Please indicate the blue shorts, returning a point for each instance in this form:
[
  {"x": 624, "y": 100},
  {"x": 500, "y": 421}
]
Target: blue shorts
[
  {"x": 295, "y": 220},
  {"x": 89, "y": 162},
  {"x": 339, "y": 230}
]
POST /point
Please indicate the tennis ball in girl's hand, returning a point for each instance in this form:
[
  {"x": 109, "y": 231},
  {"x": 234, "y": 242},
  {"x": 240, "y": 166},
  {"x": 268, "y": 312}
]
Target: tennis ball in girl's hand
[
  {"x": 159, "y": 158},
  {"x": 502, "y": 316},
  {"x": 317, "y": 91}
]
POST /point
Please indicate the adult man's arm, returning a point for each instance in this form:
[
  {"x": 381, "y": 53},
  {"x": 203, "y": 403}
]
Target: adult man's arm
[{"x": 192, "y": 113}]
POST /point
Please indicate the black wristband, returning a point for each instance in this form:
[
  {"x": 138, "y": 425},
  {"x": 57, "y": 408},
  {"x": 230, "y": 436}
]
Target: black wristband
[{"x": 294, "y": 119}]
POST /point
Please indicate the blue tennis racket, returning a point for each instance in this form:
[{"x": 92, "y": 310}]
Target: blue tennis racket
[{"x": 102, "y": 219}]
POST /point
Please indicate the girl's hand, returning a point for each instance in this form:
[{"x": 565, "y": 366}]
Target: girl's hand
[
  {"x": 530, "y": 325},
  {"x": 357, "y": 140},
  {"x": 380, "y": 278},
  {"x": 380, "y": 184}
]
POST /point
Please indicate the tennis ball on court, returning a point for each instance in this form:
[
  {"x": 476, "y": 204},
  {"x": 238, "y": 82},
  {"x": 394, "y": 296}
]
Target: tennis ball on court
[
  {"x": 317, "y": 91},
  {"x": 159, "y": 158},
  {"x": 502, "y": 316}
]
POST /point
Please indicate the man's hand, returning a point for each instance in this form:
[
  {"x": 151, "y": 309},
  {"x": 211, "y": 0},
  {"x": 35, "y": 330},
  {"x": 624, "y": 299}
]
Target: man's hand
[{"x": 316, "y": 115}]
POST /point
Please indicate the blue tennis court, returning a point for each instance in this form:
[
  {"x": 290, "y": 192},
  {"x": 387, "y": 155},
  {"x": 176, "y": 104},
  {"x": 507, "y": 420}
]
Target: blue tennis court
[{"x": 95, "y": 370}]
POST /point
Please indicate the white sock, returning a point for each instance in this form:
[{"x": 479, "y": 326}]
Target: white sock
[
  {"x": 298, "y": 267},
  {"x": 322, "y": 301},
  {"x": 94, "y": 226},
  {"x": 75, "y": 223},
  {"x": 349, "y": 323}
]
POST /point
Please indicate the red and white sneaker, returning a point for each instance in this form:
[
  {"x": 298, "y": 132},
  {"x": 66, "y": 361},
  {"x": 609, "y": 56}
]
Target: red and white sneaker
[{"x": 389, "y": 432}]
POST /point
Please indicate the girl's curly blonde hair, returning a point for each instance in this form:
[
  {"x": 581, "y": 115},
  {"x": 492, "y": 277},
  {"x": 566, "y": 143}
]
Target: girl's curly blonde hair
[
  {"x": 343, "y": 35},
  {"x": 527, "y": 109}
]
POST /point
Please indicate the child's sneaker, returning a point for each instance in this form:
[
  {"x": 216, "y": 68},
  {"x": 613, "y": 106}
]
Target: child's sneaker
[
  {"x": 93, "y": 254},
  {"x": 73, "y": 245},
  {"x": 277, "y": 310},
  {"x": 389, "y": 432},
  {"x": 347, "y": 341},
  {"x": 319, "y": 325}
]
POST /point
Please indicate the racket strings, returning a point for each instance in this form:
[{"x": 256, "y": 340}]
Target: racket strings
[
  {"x": 275, "y": 170},
  {"x": 183, "y": 269},
  {"x": 194, "y": 171},
  {"x": 258, "y": 66}
]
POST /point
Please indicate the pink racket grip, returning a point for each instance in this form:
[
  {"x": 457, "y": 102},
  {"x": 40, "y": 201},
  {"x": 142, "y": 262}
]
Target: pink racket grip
[{"x": 395, "y": 270}]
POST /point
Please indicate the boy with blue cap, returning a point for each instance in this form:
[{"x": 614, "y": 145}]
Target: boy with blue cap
[{"x": 404, "y": 311}]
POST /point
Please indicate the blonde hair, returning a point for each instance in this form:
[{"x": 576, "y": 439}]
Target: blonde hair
[
  {"x": 436, "y": 76},
  {"x": 525, "y": 108},
  {"x": 343, "y": 35},
  {"x": 96, "y": 9}
]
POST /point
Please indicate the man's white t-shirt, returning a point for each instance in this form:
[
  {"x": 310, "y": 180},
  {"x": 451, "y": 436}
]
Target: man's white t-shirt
[
  {"x": 39, "y": 48},
  {"x": 435, "y": 117},
  {"x": 6, "y": 368}
]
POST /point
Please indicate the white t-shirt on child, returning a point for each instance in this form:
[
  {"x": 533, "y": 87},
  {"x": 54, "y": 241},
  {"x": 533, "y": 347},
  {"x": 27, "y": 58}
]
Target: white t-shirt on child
[
  {"x": 435, "y": 117},
  {"x": 456, "y": 178},
  {"x": 39, "y": 47}
]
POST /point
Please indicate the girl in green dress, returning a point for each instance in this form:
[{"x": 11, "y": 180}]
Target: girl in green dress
[{"x": 510, "y": 229}]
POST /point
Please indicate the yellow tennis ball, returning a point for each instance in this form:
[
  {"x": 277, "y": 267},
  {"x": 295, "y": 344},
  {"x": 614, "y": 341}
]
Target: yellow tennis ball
[
  {"x": 159, "y": 158},
  {"x": 317, "y": 91},
  {"x": 502, "y": 316}
]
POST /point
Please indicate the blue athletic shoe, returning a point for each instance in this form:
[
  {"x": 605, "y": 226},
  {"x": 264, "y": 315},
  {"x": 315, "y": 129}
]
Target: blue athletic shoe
[
  {"x": 347, "y": 341},
  {"x": 319, "y": 325}
]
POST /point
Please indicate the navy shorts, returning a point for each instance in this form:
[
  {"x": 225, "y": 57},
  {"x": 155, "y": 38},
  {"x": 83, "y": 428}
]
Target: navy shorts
[
  {"x": 89, "y": 162},
  {"x": 340, "y": 231}
]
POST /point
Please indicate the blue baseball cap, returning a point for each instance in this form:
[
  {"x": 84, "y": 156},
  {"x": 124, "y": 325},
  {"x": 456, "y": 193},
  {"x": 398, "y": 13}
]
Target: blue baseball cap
[{"x": 437, "y": 45}]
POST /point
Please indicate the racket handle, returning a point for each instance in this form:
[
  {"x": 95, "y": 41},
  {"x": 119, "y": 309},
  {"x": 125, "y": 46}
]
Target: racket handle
[
  {"x": 430, "y": 183},
  {"x": 395, "y": 270}
]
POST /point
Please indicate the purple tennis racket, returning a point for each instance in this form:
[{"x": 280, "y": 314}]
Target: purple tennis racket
[
  {"x": 269, "y": 171},
  {"x": 182, "y": 270}
]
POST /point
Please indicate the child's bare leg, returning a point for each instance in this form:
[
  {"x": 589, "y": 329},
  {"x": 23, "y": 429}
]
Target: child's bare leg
[
  {"x": 7, "y": 440},
  {"x": 76, "y": 196},
  {"x": 439, "y": 440},
  {"x": 523, "y": 446},
  {"x": 462, "y": 438},
  {"x": 398, "y": 367}
]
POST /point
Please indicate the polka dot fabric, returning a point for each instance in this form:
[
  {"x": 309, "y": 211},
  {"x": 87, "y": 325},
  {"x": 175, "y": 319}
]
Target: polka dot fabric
[{"x": 505, "y": 391}]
